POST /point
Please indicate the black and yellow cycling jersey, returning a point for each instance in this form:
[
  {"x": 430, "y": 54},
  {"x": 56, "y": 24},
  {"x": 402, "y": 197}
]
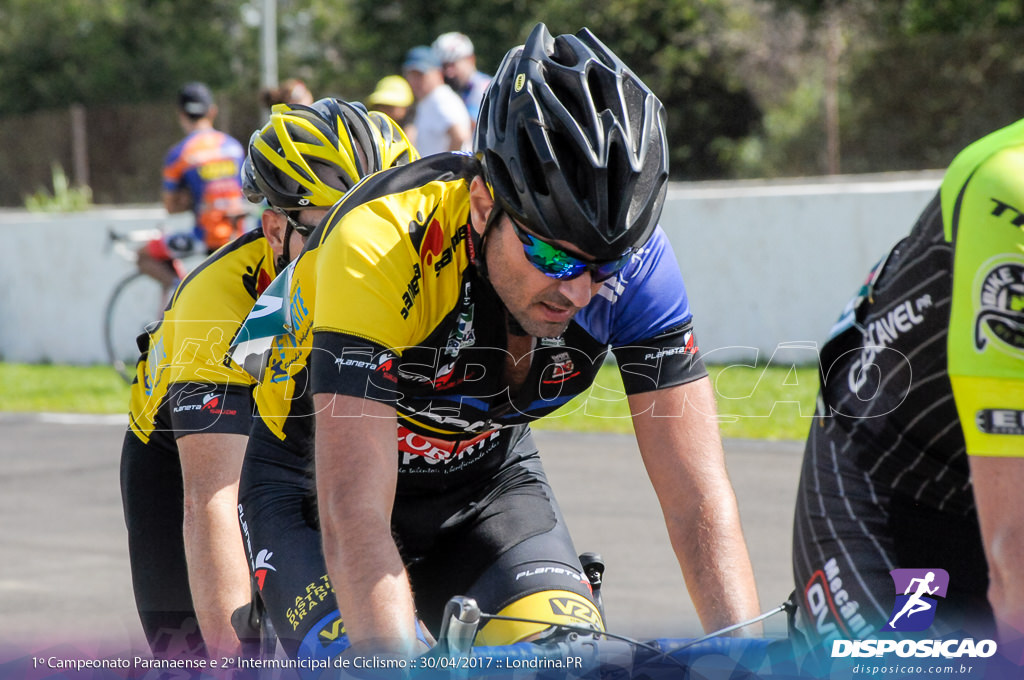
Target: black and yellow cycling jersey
[
  {"x": 182, "y": 385},
  {"x": 385, "y": 303}
]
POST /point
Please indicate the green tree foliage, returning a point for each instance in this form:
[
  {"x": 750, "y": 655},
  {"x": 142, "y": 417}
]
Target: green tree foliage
[
  {"x": 743, "y": 80},
  {"x": 669, "y": 43},
  {"x": 923, "y": 78},
  {"x": 917, "y": 101},
  {"x": 115, "y": 51},
  {"x": 104, "y": 53},
  {"x": 916, "y": 17}
]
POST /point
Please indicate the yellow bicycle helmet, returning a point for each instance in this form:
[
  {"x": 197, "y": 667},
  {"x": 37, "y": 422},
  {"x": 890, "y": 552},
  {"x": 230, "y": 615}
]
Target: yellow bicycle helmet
[
  {"x": 310, "y": 156},
  {"x": 396, "y": 148}
]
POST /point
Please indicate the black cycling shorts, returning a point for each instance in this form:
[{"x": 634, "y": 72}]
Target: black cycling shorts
[
  {"x": 153, "y": 501},
  {"x": 496, "y": 541}
]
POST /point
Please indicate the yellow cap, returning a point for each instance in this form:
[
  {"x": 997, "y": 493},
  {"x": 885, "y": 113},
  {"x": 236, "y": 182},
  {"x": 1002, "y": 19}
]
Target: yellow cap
[{"x": 391, "y": 91}]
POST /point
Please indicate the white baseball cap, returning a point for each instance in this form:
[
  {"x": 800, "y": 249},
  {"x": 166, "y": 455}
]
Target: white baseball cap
[{"x": 453, "y": 46}]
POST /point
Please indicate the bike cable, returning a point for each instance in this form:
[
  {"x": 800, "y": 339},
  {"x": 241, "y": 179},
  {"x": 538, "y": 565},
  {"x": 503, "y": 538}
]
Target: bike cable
[{"x": 786, "y": 606}]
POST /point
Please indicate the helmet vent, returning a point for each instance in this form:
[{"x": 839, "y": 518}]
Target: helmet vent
[
  {"x": 534, "y": 175},
  {"x": 578, "y": 173},
  {"x": 301, "y": 172},
  {"x": 501, "y": 180},
  {"x": 599, "y": 91},
  {"x": 634, "y": 98},
  {"x": 618, "y": 166},
  {"x": 564, "y": 53},
  {"x": 331, "y": 175}
]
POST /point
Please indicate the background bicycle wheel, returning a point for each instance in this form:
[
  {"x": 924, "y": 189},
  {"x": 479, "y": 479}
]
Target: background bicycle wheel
[{"x": 136, "y": 302}]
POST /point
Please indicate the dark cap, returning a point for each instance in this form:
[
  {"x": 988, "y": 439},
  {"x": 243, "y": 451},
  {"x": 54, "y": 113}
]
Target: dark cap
[{"x": 195, "y": 99}]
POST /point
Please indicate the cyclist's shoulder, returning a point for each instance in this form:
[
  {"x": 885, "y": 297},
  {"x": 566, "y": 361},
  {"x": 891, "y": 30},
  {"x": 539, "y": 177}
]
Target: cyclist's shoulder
[
  {"x": 230, "y": 279},
  {"x": 991, "y": 163},
  {"x": 1009, "y": 139},
  {"x": 421, "y": 204},
  {"x": 439, "y": 176},
  {"x": 402, "y": 236},
  {"x": 647, "y": 298},
  {"x": 652, "y": 273}
]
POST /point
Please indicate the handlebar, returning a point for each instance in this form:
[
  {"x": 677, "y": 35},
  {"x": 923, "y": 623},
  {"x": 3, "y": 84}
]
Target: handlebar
[{"x": 580, "y": 649}]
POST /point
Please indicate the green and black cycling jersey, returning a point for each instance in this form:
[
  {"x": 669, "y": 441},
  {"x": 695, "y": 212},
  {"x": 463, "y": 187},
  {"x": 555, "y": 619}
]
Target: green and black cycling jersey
[{"x": 924, "y": 369}]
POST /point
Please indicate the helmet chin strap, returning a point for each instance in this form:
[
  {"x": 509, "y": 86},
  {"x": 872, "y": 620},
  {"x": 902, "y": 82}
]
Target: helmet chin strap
[
  {"x": 283, "y": 260},
  {"x": 479, "y": 244}
]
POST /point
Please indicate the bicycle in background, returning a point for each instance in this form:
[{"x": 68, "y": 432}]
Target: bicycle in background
[{"x": 138, "y": 300}]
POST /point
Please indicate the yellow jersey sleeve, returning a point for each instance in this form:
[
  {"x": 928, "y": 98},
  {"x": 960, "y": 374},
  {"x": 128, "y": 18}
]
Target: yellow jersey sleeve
[
  {"x": 367, "y": 278},
  {"x": 983, "y": 208}
]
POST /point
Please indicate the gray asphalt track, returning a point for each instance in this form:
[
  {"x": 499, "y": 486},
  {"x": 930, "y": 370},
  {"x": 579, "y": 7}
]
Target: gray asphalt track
[{"x": 64, "y": 567}]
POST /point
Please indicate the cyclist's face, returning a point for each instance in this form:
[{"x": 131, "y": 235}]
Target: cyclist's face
[
  {"x": 308, "y": 218},
  {"x": 275, "y": 227},
  {"x": 542, "y": 305}
]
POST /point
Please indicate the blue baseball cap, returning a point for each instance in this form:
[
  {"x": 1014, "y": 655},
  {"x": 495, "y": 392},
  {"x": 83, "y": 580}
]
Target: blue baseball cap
[{"x": 422, "y": 59}]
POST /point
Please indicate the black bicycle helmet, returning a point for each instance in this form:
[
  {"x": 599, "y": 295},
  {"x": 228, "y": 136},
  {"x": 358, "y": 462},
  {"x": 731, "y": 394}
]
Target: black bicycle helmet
[
  {"x": 310, "y": 156},
  {"x": 573, "y": 144}
]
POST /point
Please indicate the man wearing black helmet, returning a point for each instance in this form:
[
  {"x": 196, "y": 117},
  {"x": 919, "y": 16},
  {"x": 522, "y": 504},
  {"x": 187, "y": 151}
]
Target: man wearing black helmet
[
  {"x": 456, "y": 299},
  {"x": 189, "y": 414}
]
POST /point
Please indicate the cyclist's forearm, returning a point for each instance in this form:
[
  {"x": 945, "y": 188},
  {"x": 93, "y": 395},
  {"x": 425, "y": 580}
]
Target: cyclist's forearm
[
  {"x": 356, "y": 475},
  {"x": 682, "y": 450},
  {"x": 218, "y": 573},
  {"x": 716, "y": 566},
  {"x": 997, "y": 483},
  {"x": 371, "y": 587}
]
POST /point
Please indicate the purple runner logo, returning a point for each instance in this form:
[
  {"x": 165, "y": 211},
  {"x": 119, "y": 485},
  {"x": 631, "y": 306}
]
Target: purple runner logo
[{"x": 916, "y": 590}]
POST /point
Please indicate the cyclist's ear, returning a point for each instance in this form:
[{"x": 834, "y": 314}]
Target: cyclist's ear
[
  {"x": 480, "y": 204},
  {"x": 274, "y": 227}
]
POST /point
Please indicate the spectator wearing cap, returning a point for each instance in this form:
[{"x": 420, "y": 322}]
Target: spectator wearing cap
[
  {"x": 201, "y": 175},
  {"x": 442, "y": 122},
  {"x": 393, "y": 97},
  {"x": 458, "y": 64},
  {"x": 195, "y": 103}
]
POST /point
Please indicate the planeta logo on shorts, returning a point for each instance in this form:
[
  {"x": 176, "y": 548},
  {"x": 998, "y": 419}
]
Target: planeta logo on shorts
[{"x": 916, "y": 590}]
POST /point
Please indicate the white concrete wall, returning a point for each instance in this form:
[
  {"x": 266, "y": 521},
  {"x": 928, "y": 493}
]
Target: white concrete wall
[
  {"x": 766, "y": 265},
  {"x": 770, "y": 266},
  {"x": 56, "y": 272}
]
